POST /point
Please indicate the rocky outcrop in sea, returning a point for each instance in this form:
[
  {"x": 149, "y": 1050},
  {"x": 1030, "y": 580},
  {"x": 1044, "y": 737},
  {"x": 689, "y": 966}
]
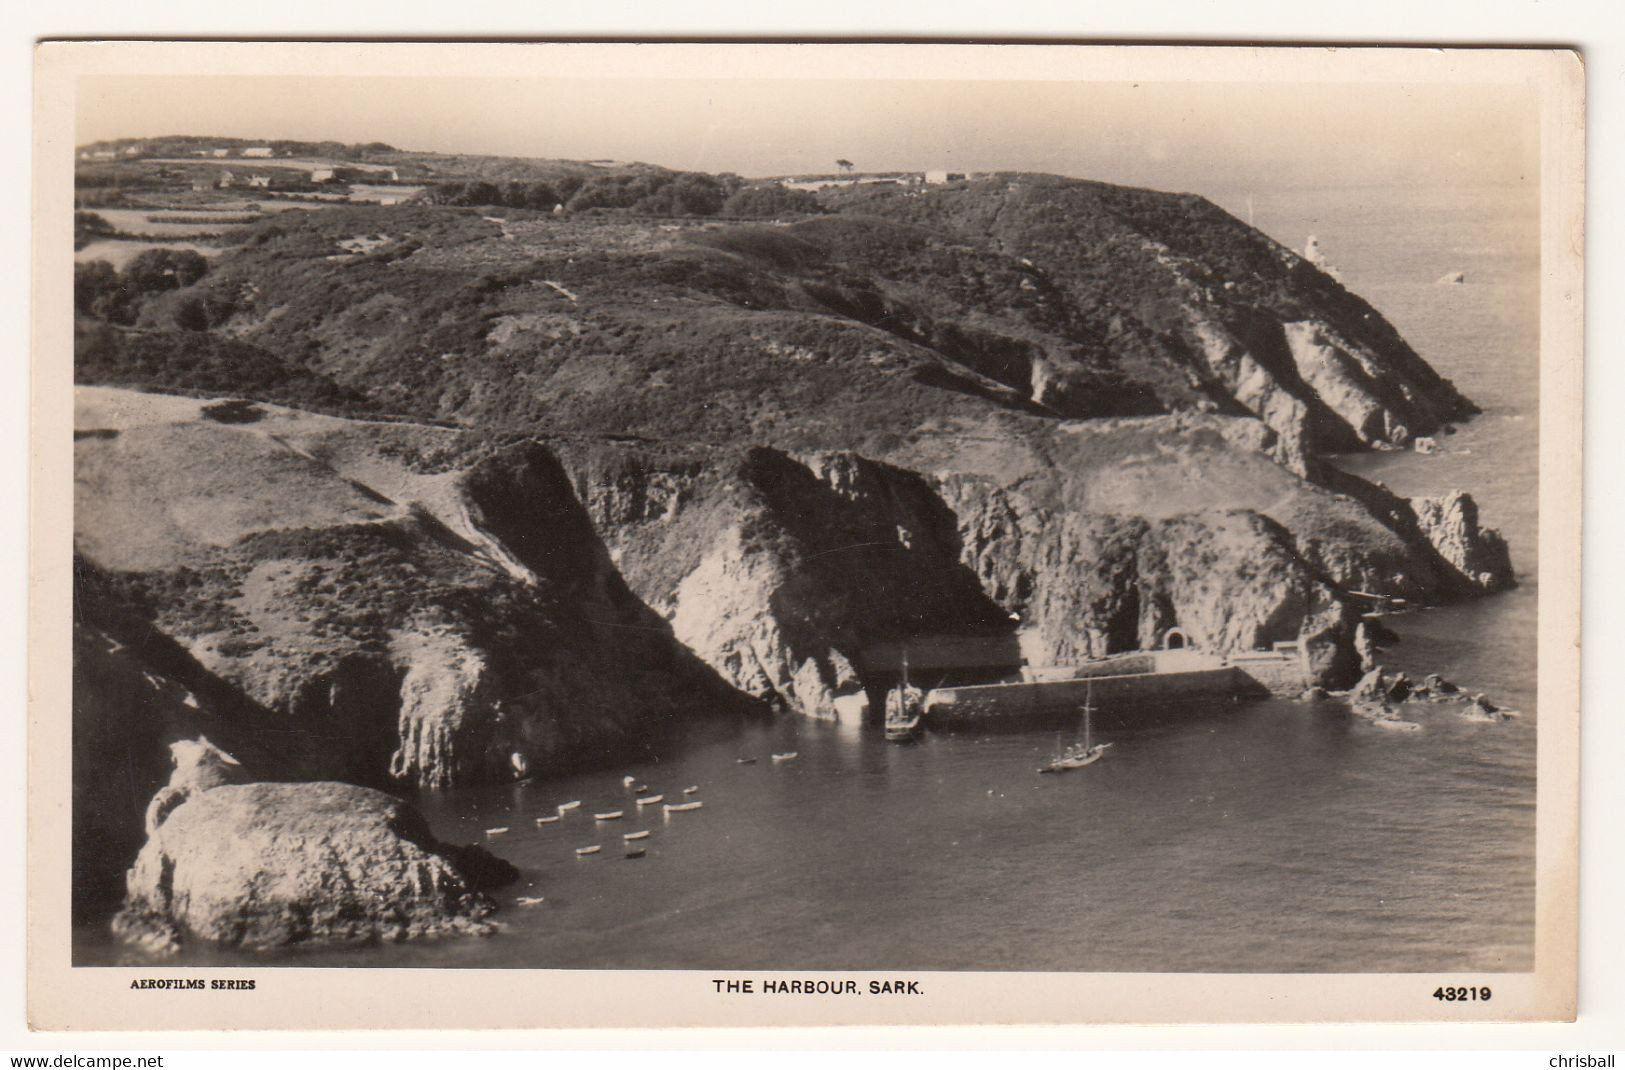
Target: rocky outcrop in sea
[{"x": 264, "y": 865}]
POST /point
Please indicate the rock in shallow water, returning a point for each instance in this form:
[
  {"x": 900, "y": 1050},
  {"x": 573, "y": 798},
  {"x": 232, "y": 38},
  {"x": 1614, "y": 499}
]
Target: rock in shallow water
[{"x": 267, "y": 865}]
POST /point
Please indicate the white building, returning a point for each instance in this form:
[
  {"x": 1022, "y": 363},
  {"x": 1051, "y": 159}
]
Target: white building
[
  {"x": 321, "y": 174},
  {"x": 259, "y": 152},
  {"x": 942, "y": 178},
  {"x": 219, "y": 153}
]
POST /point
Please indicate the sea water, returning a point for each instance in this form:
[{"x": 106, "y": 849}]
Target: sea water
[{"x": 1261, "y": 836}]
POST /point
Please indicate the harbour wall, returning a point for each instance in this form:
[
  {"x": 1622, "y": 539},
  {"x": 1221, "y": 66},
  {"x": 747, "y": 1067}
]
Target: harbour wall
[
  {"x": 1046, "y": 698},
  {"x": 1270, "y": 674}
]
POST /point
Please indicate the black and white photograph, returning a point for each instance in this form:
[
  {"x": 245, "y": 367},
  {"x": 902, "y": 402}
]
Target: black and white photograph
[{"x": 834, "y": 518}]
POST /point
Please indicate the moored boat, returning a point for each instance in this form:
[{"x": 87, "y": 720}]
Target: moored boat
[
  {"x": 649, "y": 800},
  {"x": 675, "y": 808},
  {"x": 787, "y": 756},
  {"x": 547, "y": 820},
  {"x": 610, "y": 815},
  {"x": 565, "y": 808},
  {"x": 594, "y": 849},
  {"x": 905, "y": 705},
  {"x": 496, "y": 831},
  {"x": 1080, "y": 754},
  {"x": 530, "y": 900},
  {"x": 691, "y": 789},
  {"x": 641, "y": 834},
  {"x": 1074, "y": 758}
]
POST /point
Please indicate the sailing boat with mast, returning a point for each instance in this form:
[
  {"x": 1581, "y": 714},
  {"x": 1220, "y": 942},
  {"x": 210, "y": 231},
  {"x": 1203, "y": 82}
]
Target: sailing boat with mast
[
  {"x": 905, "y": 706},
  {"x": 1086, "y": 752}
]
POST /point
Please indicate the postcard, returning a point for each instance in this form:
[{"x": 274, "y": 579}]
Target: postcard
[{"x": 666, "y": 534}]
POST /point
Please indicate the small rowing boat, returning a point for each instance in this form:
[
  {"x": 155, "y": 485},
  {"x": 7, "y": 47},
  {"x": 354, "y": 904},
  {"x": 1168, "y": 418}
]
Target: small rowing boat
[
  {"x": 547, "y": 820},
  {"x": 641, "y": 788},
  {"x": 628, "y": 781},
  {"x": 636, "y": 852},
  {"x": 612, "y": 815},
  {"x": 650, "y": 800},
  {"x": 745, "y": 761},
  {"x": 677, "y": 808},
  {"x": 640, "y": 835},
  {"x": 529, "y": 900},
  {"x": 691, "y": 789},
  {"x": 567, "y": 807},
  {"x": 787, "y": 756},
  {"x": 496, "y": 832},
  {"x": 594, "y": 849}
]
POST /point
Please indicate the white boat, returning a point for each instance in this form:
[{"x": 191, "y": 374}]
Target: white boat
[
  {"x": 690, "y": 790},
  {"x": 628, "y": 781},
  {"x": 649, "y": 800},
  {"x": 640, "y": 789},
  {"x": 640, "y": 835},
  {"x": 787, "y": 756},
  {"x": 636, "y": 852},
  {"x": 567, "y": 807},
  {"x": 1075, "y": 758},
  {"x": 612, "y": 815},
  {"x": 1078, "y": 755},
  {"x": 547, "y": 820},
  {"x": 496, "y": 832},
  {"x": 594, "y": 849},
  {"x": 676, "y": 808},
  {"x": 529, "y": 900}
]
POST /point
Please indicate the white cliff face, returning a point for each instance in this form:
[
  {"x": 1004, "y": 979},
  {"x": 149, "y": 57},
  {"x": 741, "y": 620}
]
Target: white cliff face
[
  {"x": 449, "y": 712},
  {"x": 838, "y": 557},
  {"x": 728, "y": 613},
  {"x": 1341, "y": 374},
  {"x": 1260, "y": 391},
  {"x": 718, "y": 614}
]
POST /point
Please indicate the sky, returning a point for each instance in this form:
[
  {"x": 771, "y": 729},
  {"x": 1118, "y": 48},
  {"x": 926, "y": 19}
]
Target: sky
[{"x": 1179, "y": 136}]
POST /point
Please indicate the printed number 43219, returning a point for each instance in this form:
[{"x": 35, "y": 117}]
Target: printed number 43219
[{"x": 1460, "y": 995}]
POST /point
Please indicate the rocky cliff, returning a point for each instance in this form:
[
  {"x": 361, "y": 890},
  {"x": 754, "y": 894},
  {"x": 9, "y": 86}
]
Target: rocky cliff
[
  {"x": 1202, "y": 309},
  {"x": 422, "y": 606},
  {"x": 783, "y": 571}
]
